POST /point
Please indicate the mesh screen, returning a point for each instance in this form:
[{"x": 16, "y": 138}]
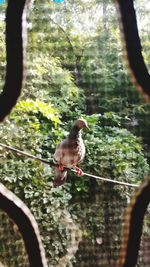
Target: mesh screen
[
  {"x": 12, "y": 250},
  {"x": 81, "y": 224},
  {"x": 103, "y": 250}
]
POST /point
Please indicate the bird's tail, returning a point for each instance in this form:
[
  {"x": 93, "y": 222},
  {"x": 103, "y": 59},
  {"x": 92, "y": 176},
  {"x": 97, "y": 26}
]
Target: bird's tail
[{"x": 60, "y": 177}]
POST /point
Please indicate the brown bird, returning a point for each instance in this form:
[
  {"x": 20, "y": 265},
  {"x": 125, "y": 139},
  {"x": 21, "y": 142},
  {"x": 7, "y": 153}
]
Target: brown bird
[{"x": 69, "y": 153}]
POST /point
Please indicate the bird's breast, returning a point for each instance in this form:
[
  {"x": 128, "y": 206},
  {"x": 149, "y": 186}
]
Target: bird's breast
[{"x": 73, "y": 153}]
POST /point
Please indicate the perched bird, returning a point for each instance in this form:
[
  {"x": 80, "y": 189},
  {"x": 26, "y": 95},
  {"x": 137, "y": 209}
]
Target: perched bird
[{"x": 69, "y": 153}]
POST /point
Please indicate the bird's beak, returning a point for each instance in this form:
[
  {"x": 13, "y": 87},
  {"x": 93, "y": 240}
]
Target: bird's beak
[{"x": 87, "y": 127}]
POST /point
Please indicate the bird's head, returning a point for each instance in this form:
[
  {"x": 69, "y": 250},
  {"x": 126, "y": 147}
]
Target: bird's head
[{"x": 81, "y": 123}]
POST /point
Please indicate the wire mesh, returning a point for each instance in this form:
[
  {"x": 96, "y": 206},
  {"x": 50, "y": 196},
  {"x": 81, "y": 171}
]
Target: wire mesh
[
  {"x": 12, "y": 249},
  {"x": 92, "y": 223}
]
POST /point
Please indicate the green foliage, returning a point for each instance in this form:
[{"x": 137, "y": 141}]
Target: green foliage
[
  {"x": 75, "y": 66},
  {"x": 31, "y": 126},
  {"x": 48, "y": 80},
  {"x": 115, "y": 153},
  {"x": 37, "y": 110},
  {"x": 112, "y": 152}
]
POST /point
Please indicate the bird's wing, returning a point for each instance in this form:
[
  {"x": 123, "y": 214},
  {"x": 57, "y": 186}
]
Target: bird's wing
[
  {"x": 69, "y": 153},
  {"x": 59, "y": 152}
]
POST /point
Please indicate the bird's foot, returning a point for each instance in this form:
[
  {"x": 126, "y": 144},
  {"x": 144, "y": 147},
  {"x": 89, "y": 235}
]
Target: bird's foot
[
  {"x": 61, "y": 167},
  {"x": 79, "y": 171}
]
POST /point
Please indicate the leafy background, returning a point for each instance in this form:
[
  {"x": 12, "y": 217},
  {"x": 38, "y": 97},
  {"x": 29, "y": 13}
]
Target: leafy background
[{"x": 75, "y": 68}]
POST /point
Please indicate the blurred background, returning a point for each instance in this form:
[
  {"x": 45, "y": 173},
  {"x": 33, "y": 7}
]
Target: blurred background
[{"x": 76, "y": 68}]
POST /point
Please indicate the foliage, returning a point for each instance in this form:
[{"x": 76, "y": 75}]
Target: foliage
[
  {"x": 115, "y": 153},
  {"x": 49, "y": 78},
  {"x": 75, "y": 68},
  {"x": 33, "y": 126},
  {"x": 92, "y": 51},
  {"x": 111, "y": 151}
]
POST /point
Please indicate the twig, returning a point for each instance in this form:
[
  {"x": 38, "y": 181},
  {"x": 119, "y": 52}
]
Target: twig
[{"x": 20, "y": 152}]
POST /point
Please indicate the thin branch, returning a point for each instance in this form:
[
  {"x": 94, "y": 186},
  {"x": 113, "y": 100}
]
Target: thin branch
[
  {"x": 64, "y": 32},
  {"x": 51, "y": 163},
  {"x": 20, "y": 152}
]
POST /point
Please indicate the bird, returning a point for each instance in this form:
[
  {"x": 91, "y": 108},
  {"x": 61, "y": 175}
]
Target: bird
[{"x": 69, "y": 153}]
